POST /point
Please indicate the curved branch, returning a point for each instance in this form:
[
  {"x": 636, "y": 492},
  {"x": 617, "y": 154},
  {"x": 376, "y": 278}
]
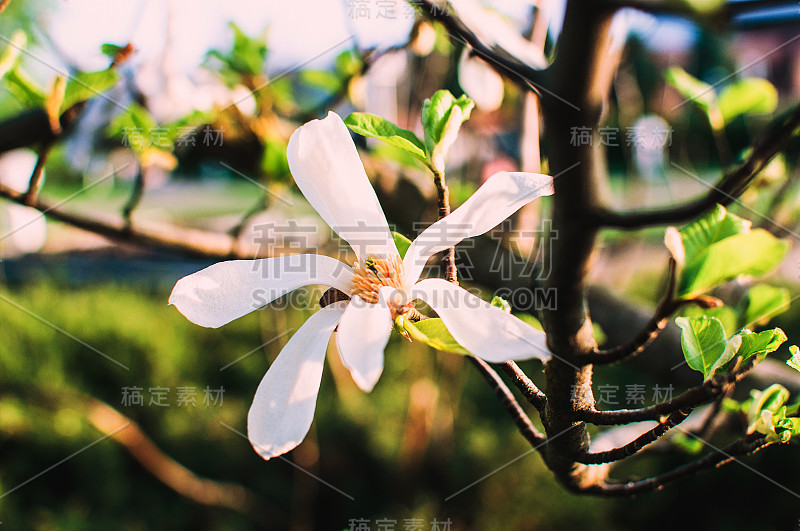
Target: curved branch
[
  {"x": 726, "y": 191},
  {"x": 686, "y": 401},
  {"x": 650, "y": 436},
  {"x": 35, "y": 182},
  {"x": 518, "y": 72},
  {"x": 649, "y": 333},
  {"x": 174, "y": 475},
  {"x": 522, "y": 421},
  {"x": 160, "y": 236},
  {"x": 532, "y": 393},
  {"x": 747, "y": 445}
]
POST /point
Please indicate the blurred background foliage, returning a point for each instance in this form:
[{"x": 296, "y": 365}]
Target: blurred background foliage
[{"x": 431, "y": 428}]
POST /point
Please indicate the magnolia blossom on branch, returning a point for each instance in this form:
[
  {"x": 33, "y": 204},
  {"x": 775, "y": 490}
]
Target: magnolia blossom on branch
[{"x": 381, "y": 285}]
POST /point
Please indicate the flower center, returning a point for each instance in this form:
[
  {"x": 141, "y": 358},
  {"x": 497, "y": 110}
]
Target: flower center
[{"x": 372, "y": 273}]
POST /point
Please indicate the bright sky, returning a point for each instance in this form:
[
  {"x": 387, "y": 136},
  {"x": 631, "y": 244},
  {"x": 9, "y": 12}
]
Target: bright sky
[{"x": 300, "y": 31}]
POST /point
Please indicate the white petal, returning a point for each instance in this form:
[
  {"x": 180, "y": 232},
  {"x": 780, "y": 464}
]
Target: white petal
[
  {"x": 362, "y": 335},
  {"x": 500, "y": 196},
  {"x": 484, "y": 330},
  {"x": 228, "y": 290},
  {"x": 283, "y": 407},
  {"x": 674, "y": 243},
  {"x": 325, "y": 165},
  {"x": 480, "y": 81}
]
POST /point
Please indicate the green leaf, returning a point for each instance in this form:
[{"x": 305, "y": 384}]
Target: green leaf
[
  {"x": 442, "y": 116},
  {"x": 274, "y": 162},
  {"x": 709, "y": 229},
  {"x": 752, "y": 253},
  {"x": 531, "y": 320},
  {"x": 110, "y": 50},
  {"x": 10, "y": 57},
  {"x": 501, "y": 303},
  {"x": 687, "y": 443},
  {"x": 246, "y": 57},
  {"x": 248, "y": 54},
  {"x": 760, "y": 344},
  {"x": 136, "y": 125},
  {"x": 770, "y": 399},
  {"x": 704, "y": 345},
  {"x": 764, "y": 302},
  {"x": 401, "y": 242},
  {"x": 321, "y": 79},
  {"x": 750, "y": 95},
  {"x": 794, "y": 361},
  {"x": 705, "y": 7},
  {"x": 726, "y": 315},
  {"x": 24, "y": 88},
  {"x": 691, "y": 88},
  {"x": 376, "y": 127},
  {"x": 86, "y": 85},
  {"x": 433, "y": 332},
  {"x": 349, "y": 63}
]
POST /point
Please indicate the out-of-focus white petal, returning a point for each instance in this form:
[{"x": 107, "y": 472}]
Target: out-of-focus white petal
[
  {"x": 362, "y": 335},
  {"x": 24, "y": 230},
  {"x": 500, "y": 196},
  {"x": 283, "y": 407},
  {"x": 481, "y": 83},
  {"x": 486, "y": 331},
  {"x": 493, "y": 30},
  {"x": 325, "y": 165},
  {"x": 674, "y": 243},
  {"x": 228, "y": 290},
  {"x": 16, "y": 167}
]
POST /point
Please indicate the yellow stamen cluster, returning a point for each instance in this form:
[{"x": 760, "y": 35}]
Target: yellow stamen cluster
[{"x": 372, "y": 273}]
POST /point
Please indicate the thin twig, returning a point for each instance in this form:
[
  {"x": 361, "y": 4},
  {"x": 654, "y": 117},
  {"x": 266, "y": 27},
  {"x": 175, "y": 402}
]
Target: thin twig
[
  {"x": 649, "y": 333},
  {"x": 747, "y": 445},
  {"x": 633, "y": 447},
  {"x": 164, "y": 468},
  {"x": 135, "y": 198},
  {"x": 688, "y": 400},
  {"x": 522, "y": 421},
  {"x": 443, "y": 203},
  {"x": 515, "y": 70},
  {"x": 726, "y": 191},
  {"x": 163, "y": 236},
  {"x": 236, "y": 231},
  {"x": 529, "y": 390},
  {"x": 35, "y": 182}
]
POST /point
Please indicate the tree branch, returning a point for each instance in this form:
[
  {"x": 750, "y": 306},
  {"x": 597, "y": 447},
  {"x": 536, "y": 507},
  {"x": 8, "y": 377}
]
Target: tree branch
[
  {"x": 35, "y": 182},
  {"x": 516, "y": 71},
  {"x": 747, "y": 445},
  {"x": 649, "y": 333},
  {"x": 443, "y": 204},
  {"x": 522, "y": 421},
  {"x": 726, "y": 191},
  {"x": 622, "y": 452},
  {"x": 687, "y": 401},
  {"x": 639, "y": 343},
  {"x": 528, "y": 389},
  {"x": 174, "y": 475},
  {"x": 161, "y": 236},
  {"x": 135, "y": 198}
]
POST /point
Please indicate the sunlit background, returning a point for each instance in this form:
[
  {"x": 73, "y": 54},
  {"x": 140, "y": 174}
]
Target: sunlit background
[{"x": 84, "y": 322}]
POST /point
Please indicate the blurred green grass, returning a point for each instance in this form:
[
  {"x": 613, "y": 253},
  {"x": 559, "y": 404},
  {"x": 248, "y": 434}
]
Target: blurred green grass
[{"x": 430, "y": 428}]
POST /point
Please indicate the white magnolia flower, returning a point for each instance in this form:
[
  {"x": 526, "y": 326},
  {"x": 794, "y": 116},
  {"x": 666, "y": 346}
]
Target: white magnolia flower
[{"x": 381, "y": 285}]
